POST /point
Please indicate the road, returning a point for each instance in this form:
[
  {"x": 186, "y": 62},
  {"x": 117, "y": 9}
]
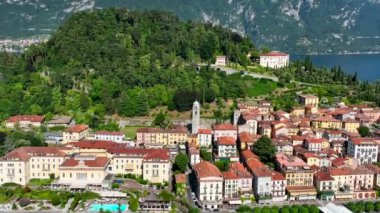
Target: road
[{"x": 229, "y": 71}]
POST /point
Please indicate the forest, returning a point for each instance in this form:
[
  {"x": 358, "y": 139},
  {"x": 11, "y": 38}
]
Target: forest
[{"x": 121, "y": 62}]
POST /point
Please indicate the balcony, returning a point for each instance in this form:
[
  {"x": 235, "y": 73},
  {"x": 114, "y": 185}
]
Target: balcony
[{"x": 10, "y": 175}]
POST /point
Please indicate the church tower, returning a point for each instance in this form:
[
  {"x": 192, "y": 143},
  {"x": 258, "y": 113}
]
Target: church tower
[{"x": 195, "y": 117}]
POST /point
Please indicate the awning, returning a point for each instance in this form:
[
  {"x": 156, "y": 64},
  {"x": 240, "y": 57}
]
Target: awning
[{"x": 235, "y": 202}]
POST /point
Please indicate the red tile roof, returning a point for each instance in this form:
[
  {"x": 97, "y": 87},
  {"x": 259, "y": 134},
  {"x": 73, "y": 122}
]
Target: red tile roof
[
  {"x": 236, "y": 166},
  {"x": 109, "y": 133},
  {"x": 158, "y": 130},
  {"x": 248, "y": 137},
  {"x": 205, "y": 131},
  {"x": 326, "y": 119},
  {"x": 158, "y": 154},
  {"x": 262, "y": 172},
  {"x": 315, "y": 140},
  {"x": 206, "y": 169},
  {"x": 96, "y": 162},
  {"x": 78, "y": 128},
  {"x": 225, "y": 127},
  {"x": 25, "y": 153},
  {"x": 254, "y": 163},
  {"x": 337, "y": 162},
  {"x": 274, "y": 54},
  {"x": 180, "y": 178},
  {"x": 227, "y": 141},
  {"x": 248, "y": 154},
  {"x": 229, "y": 176},
  {"x": 359, "y": 141},
  {"x": 31, "y": 118},
  {"x": 94, "y": 144},
  {"x": 323, "y": 176},
  {"x": 277, "y": 176}
]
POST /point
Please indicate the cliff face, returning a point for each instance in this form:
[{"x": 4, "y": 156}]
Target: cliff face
[{"x": 291, "y": 25}]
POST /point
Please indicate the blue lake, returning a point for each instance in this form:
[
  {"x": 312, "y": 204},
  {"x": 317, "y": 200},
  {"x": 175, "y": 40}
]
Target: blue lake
[{"x": 367, "y": 66}]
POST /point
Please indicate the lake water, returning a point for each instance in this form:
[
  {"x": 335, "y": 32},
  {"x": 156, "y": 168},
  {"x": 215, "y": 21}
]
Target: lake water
[{"x": 367, "y": 66}]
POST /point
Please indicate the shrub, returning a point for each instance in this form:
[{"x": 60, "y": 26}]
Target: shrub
[
  {"x": 52, "y": 176},
  {"x": 55, "y": 200},
  {"x": 24, "y": 202},
  {"x": 14, "y": 207},
  {"x": 26, "y": 190},
  {"x": 115, "y": 185}
]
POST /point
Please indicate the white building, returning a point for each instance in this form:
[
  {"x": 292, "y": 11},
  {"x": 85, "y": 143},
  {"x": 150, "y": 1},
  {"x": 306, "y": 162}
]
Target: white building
[
  {"x": 274, "y": 60},
  {"x": 230, "y": 185},
  {"x": 25, "y": 163},
  {"x": 209, "y": 185},
  {"x": 204, "y": 137},
  {"x": 262, "y": 184},
  {"x": 194, "y": 156},
  {"x": 75, "y": 133},
  {"x": 226, "y": 148},
  {"x": 196, "y": 116},
  {"x": 365, "y": 150},
  {"x": 225, "y": 130},
  {"x": 24, "y": 121},
  {"x": 278, "y": 187},
  {"x": 157, "y": 166},
  {"x": 117, "y": 137},
  {"x": 221, "y": 60}
]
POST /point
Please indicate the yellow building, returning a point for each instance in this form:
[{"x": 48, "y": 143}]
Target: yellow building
[
  {"x": 298, "y": 112},
  {"x": 75, "y": 133},
  {"x": 161, "y": 136},
  {"x": 80, "y": 172},
  {"x": 326, "y": 122},
  {"x": 152, "y": 164},
  {"x": 351, "y": 125},
  {"x": 25, "y": 163},
  {"x": 309, "y": 100}
]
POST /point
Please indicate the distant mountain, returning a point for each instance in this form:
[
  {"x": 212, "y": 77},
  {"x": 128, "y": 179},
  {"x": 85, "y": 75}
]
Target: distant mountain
[{"x": 297, "y": 26}]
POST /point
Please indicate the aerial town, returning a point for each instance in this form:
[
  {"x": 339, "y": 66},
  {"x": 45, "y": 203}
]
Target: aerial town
[{"x": 318, "y": 153}]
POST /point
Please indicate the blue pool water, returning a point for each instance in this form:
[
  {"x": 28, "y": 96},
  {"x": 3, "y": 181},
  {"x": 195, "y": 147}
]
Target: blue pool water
[{"x": 108, "y": 207}]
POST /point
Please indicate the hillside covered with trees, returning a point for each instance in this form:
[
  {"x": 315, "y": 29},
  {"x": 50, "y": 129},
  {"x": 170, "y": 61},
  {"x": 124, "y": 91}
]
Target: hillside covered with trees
[
  {"x": 122, "y": 62},
  {"x": 115, "y": 61}
]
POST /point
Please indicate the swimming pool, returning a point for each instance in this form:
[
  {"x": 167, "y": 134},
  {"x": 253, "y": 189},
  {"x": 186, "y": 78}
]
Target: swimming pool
[{"x": 108, "y": 207}]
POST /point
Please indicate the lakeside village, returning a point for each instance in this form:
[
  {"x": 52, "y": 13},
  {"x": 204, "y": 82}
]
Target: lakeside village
[{"x": 319, "y": 154}]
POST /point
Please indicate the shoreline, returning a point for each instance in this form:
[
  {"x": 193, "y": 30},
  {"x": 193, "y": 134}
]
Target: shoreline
[{"x": 343, "y": 53}]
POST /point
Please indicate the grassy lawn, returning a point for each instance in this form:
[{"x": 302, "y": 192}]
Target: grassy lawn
[
  {"x": 130, "y": 131},
  {"x": 41, "y": 194},
  {"x": 262, "y": 87},
  {"x": 3, "y": 198},
  {"x": 40, "y": 182}
]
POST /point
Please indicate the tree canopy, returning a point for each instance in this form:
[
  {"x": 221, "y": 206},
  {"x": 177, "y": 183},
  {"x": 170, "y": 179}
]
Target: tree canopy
[{"x": 265, "y": 149}]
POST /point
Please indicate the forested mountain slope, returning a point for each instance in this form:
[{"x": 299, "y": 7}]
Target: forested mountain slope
[
  {"x": 290, "y": 25},
  {"x": 125, "y": 62}
]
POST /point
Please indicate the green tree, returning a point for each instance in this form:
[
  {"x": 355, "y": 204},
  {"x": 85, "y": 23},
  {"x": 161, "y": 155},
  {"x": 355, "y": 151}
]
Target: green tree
[
  {"x": 166, "y": 196},
  {"x": 160, "y": 120},
  {"x": 55, "y": 200},
  {"x": 133, "y": 204},
  {"x": 265, "y": 149},
  {"x": 222, "y": 165},
  {"x": 265, "y": 209},
  {"x": 274, "y": 209},
  {"x": 369, "y": 206},
  {"x": 285, "y": 210},
  {"x": 180, "y": 163},
  {"x": 194, "y": 210},
  {"x": 205, "y": 155},
  {"x": 363, "y": 131},
  {"x": 377, "y": 206},
  {"x": 244, "y": 209},
  {"x": 257, "y": 210}
]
